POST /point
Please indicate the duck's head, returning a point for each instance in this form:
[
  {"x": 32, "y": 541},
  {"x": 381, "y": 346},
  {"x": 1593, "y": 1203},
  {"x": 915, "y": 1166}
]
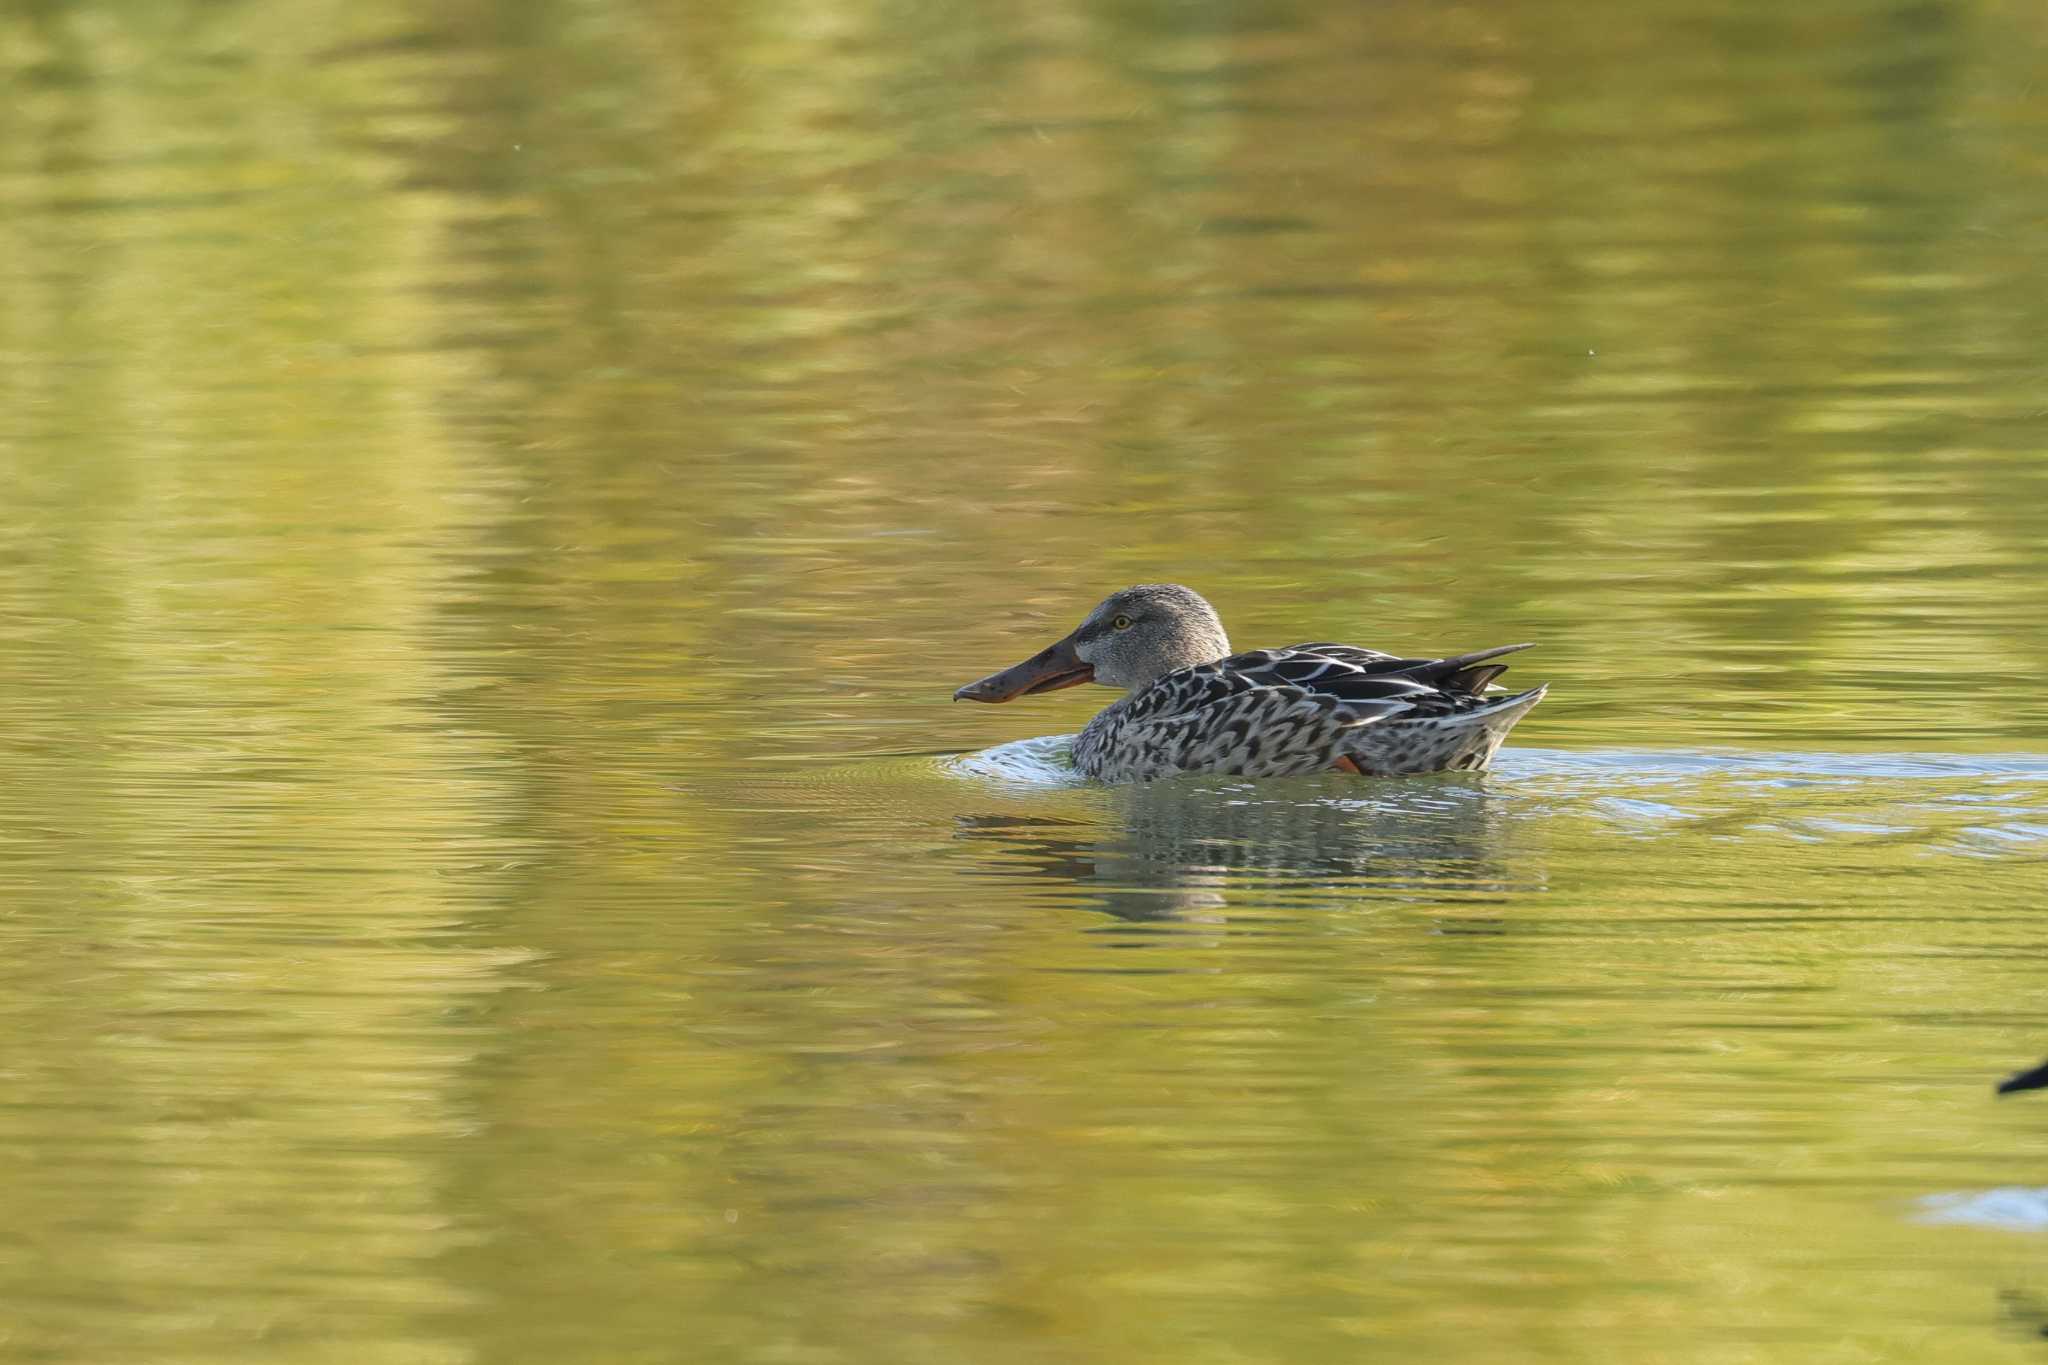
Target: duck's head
[{"x": 1132, "y": 638}]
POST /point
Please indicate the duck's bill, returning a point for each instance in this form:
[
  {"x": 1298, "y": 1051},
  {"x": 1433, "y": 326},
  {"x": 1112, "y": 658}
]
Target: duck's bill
[{"x": 1049, "y": 670}]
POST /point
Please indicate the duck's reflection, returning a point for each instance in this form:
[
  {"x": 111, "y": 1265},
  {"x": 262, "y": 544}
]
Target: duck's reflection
[{"x": 1185, "y": 848}]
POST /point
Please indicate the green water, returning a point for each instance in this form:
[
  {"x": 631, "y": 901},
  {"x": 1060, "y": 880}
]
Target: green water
[{"x": 495, "y": 499}]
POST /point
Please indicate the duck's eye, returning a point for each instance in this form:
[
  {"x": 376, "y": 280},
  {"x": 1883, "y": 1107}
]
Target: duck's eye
[{"x": 1122, "y": 623}]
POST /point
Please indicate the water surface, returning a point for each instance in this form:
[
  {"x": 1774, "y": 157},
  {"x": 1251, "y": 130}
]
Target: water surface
[{"x": 497, "y": 498}]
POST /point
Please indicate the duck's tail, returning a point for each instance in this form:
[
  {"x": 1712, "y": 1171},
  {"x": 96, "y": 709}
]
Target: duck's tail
[
  {"x": 1499, "y": 714},
  {"x": 1467, "y": 673}
]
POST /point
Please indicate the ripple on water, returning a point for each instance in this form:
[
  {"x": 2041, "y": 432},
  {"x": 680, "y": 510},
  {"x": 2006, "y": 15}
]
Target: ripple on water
[
  {"x": 1046, "y": 761},
  {"x": 1966, "y": 806},
  {"x": 2013, "y": 1208}
]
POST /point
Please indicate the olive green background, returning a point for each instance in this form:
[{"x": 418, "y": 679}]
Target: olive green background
[{"x": 494, "y": 500}]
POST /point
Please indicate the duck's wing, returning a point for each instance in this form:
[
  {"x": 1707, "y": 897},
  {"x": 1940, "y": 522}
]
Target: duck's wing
[
  {"x": 2036, "y": 1079},
  {"x": 1221, "y": 718},
  {"x": 1347, "y": 654},
  {"x": 1283, "y": 671},
  {"x": 1343, "y": 669}
]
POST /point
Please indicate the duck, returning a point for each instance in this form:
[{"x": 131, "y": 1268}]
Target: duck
[
  {"x": 2036, "y": 1079},
  {"x": 1190, "y": 705}
]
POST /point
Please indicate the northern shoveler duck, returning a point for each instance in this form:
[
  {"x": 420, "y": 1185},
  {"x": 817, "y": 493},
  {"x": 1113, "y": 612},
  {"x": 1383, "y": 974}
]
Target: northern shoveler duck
[
  {"x": 2036, "y": 1079},
  {"x": 1194, "y": 707}
]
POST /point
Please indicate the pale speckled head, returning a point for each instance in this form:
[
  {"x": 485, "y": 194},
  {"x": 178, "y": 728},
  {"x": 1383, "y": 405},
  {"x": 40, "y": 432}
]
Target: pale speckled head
[{"x": 1132, "y": 638}]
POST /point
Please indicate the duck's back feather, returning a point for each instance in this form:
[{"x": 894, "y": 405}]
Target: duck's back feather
[
  {"x": 1272, "y": 712},
  {"x": 1356, "y": 674}
]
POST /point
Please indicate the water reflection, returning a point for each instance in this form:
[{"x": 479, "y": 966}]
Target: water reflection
[
  {"x": 1180, "y": 849},
  {"x": 482, "y": 478},
  {"x": 2014, "y": 1208},
  {"x": 2025, "y": 1309}
]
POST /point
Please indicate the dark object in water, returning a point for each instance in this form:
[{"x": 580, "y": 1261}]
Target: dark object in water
[{"x": 2025, "y": 1080}]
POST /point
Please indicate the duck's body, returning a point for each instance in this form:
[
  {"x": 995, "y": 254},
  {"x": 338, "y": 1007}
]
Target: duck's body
[
  {"x": 1305, "y": 709},
  {"x": 1194, "y": 707}
]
